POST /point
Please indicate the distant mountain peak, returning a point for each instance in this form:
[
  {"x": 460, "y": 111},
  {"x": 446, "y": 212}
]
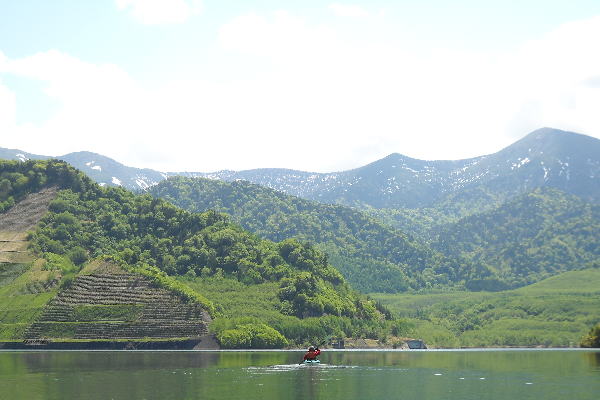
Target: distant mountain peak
[{"x": 545, "y": 157}]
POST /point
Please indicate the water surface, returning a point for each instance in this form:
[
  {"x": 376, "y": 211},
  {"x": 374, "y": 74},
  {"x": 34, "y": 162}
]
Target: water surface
[{"x": 477, "y": 375}]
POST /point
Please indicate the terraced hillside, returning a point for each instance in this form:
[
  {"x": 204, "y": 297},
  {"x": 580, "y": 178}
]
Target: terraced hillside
[
  {"x": 110, "y": 304},
  {"x": 25, "y": 287},
  {"x": 101, "y": 302}
]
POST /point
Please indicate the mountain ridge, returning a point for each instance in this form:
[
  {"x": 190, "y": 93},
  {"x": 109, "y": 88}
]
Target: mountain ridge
[{"x": 545, "y": 157}]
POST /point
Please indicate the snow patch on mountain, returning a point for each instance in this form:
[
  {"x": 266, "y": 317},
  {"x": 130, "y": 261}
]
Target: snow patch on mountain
[
  {"x": 520, "y": 163},
  {"x": 142, "y": 184}
]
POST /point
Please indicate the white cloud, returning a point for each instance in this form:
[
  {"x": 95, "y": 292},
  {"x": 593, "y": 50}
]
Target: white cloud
[
  {"x": 8, "y": 102},
  {"x": 320, "y": 101},
  {"x": 278, "y": 36},
  {"x": 8, "y": 109},
  {"x": 348, "y": 10},
  {"x": 439, "y": 104},
  {"x": 154, "y": 12}
]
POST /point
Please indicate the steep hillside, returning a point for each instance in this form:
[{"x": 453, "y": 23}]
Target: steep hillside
[
  {"x": 371, "y": 255},
  {"x": 25, "y": 288},
  {"x": 527, "y": 239}
]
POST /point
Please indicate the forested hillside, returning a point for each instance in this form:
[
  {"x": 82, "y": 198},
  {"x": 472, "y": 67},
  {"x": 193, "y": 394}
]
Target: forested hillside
[
  {"x": 532, "y": 237},
  {"x": 158, "y": 239},
  {"x": 371, "y": 255}
]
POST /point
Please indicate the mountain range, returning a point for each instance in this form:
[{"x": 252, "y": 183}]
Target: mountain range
[
  {"x": 546, "y": 157},
  {"x": 492, "y": 222}
]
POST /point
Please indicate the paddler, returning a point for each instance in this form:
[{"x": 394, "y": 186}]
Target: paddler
[{"x": 313, "y": 352}]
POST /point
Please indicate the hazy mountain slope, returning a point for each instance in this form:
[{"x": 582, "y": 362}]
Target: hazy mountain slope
[
  {"x": 103, "y": 170},
  {"x": 371, "y": 255},
  {"x": 107, "y": 171},
  {"x": 16, "y": 154},
  {"x": 532, "y": 237},
  {"x": 546, "y": 157}
]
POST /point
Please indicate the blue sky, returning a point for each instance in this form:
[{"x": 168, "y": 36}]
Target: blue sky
[{"x": 312, "y": 85}]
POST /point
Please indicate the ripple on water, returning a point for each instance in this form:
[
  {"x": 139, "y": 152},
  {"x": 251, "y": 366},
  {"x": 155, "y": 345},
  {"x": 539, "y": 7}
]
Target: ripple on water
[{"x": 272, "y": 369}]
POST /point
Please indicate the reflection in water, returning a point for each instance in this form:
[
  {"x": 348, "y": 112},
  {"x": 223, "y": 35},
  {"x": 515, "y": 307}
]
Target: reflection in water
[
  {"x": 276, "y": 375},
  {"x": 594, "y": 358}
]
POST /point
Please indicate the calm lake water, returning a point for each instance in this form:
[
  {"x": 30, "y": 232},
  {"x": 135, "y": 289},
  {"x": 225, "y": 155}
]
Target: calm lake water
[{"x": 365, "y": 375}]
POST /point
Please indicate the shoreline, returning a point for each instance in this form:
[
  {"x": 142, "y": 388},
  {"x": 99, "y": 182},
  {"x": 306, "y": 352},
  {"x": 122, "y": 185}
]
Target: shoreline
[{"x": 207, "y": 344}]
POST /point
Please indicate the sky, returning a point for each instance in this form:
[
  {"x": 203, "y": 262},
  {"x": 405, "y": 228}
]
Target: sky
[{"x": 205, "y": 85}]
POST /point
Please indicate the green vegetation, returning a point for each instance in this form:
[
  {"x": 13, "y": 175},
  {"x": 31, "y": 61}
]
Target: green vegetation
[
  {"x": 19, "y": 305},
  {"x": 555, "y": 312},
  {"x": 478, "y": 242},
  {"x": 140, "y": 232},
  {"x": 113, "y": 312},
  {"x": 241, "y": 304},
  {"x": 593, "y": 338},
  {"x": 251, "y": 336},
  {"x": 372, "y": 256},
  {"x": 425, "y": 222},
  {"x": 17, "y": 179},
  {"x": 530, "y": 238},
  {"x": 9, "y": 272},
  {"x": 153, "y": 238}
]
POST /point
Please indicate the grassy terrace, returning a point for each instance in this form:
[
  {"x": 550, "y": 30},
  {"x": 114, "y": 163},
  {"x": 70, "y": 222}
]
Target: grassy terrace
[
  {"x": 24, "y": 292},
  {"x": 555, "y": 312}
]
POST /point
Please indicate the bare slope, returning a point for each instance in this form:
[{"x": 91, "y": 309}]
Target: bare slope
[{"x": 15, "y": 223}]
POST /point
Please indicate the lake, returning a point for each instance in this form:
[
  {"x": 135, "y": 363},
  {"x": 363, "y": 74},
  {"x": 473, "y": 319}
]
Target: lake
[{"x": 248, "y": 375}]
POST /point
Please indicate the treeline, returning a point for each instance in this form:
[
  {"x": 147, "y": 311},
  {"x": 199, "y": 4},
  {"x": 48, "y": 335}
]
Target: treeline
[
  {"x": 371, "y": 255},
  {"x": 17, "y": 179}
]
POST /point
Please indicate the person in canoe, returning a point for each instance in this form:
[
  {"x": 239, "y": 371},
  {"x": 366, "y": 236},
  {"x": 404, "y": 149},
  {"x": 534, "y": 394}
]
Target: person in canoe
[{"x": 312, "y": 354}]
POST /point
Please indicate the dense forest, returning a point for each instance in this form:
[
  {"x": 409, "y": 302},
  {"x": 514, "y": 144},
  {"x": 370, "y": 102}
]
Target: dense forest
[
  {"x": 153, "y": 236},
  {"x": 513, "y": 244},
  {"x": 532, "y": 237},
  {"x": 371, "y": 255}
]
